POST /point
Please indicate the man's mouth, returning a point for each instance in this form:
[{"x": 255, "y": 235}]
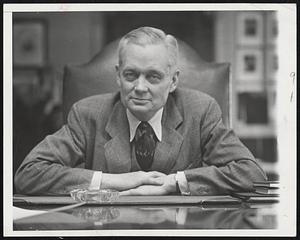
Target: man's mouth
[{"x": 140, "y": 100}]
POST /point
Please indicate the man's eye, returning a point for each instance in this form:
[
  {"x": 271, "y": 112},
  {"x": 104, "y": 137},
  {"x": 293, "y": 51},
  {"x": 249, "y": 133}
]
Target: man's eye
[
  {"x": 130, "y": 76},
  {"x": 154, "y": 78}
]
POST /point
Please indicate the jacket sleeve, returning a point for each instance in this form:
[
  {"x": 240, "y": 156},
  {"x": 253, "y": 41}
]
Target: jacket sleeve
[
  {"x": 228, "y": 165},
  {"x": 51, "y": 168}
]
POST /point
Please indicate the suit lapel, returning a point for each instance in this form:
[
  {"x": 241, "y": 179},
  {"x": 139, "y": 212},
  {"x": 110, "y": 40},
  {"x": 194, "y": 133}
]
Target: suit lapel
[
  {"x": 167, "y": 150},
  {"x": 117, "y": 150}
]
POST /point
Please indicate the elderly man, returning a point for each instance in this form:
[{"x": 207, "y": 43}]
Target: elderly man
[{"x": 150, "y": 138}]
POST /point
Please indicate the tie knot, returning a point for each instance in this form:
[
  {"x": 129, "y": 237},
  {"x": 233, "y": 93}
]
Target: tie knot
[
  {"x": 144, "y": 125},
  {"x": 145, "y": 130}
]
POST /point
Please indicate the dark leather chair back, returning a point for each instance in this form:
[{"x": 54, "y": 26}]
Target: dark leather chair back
[{"x": 99, "y": 76}]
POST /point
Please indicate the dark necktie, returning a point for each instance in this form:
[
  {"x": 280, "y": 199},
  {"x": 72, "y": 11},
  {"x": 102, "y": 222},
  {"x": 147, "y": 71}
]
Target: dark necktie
[{"x": 145, "y": 142}]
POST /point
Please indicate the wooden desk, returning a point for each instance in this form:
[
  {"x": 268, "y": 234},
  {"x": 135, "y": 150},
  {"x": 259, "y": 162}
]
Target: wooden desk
[{"x": 175, "y": 216}]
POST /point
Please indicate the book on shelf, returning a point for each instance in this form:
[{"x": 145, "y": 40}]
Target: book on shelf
[
  {"x": 253, "y": 194},
  {"x": 264, "y": 190},
  {"x": 267, "y": 184},
  {"x": 253, "y": 197}
]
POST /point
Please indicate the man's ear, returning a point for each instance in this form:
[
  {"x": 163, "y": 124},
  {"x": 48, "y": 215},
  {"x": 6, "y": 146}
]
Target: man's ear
[
  {"x": 175, "y": 80},
  {"x": 118, "y": 74}
]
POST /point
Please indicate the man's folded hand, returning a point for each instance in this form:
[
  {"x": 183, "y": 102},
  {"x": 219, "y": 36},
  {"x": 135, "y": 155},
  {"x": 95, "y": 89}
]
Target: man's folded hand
[
  {"x": 125, "y": 181},
  {"x": 168, "y": 187}
]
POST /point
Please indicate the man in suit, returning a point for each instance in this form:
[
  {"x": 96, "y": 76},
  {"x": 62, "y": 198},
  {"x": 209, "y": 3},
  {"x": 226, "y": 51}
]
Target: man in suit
[{"x": 149, "y": 138}]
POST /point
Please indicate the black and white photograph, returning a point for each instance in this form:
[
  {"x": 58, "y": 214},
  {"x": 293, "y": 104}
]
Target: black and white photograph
[{"x": 149, "y": 119}]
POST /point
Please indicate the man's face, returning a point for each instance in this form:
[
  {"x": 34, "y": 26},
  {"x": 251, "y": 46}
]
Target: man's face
[{"x": 145, "y": 79}]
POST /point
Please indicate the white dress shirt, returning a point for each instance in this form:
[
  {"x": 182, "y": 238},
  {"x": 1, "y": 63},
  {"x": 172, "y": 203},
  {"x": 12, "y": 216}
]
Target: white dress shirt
[{"x": 155, "y": 123}]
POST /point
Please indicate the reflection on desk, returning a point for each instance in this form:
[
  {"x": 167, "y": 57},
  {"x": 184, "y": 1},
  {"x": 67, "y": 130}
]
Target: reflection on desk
[
  {"x": 175, "y": 217},
  {"x": 156, "y": 217},
  {"x": 52, "y": 221}
]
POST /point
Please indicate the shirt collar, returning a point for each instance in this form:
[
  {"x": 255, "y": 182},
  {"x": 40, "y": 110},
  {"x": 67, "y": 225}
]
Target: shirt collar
[{"x": 155, "y": 123}]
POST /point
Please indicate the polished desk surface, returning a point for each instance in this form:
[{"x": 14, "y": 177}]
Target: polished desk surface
[{"x": 175, "y": 216}]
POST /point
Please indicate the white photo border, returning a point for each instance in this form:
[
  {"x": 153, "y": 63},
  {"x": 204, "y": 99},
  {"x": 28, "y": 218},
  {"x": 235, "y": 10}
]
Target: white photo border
[{"x": 286, "y": 115}]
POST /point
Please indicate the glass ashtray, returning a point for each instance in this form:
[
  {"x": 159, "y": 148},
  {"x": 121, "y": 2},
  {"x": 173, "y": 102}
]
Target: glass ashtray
[{"x": 94, "y": 196}]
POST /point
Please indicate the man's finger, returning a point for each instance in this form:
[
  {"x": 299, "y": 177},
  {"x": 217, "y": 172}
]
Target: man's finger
[
  {"x": 157, "y": 174},
  {"x": 156, "y": 181}
]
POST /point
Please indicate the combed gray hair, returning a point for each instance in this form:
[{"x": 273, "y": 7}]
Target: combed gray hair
[{"x": 149, "y": 35}]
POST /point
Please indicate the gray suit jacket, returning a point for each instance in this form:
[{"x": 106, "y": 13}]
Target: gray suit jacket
[{"x": 96, "y": 137}]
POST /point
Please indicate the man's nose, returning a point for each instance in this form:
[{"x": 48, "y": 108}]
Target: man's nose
[{"x": 141, "y": 84}]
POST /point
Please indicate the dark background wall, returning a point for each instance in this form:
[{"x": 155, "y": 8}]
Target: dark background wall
[{"x": 195, "y": 28}]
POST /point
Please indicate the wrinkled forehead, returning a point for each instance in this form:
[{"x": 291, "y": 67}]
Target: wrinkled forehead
[
  {"x": 153, "y": 56},
  {"x": 156, "y": 51}
]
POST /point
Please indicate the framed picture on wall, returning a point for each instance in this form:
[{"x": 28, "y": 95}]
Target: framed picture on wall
[
  {"x": 29, "y": 43},
  {"x": 250, "y": 28},
  {"x": 249, "y": 65}
]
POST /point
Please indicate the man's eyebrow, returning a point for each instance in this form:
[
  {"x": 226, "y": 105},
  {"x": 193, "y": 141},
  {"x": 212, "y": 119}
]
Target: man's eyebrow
[
  {"x": 155, "y": 71},
  {"x": 147, "y": 71},
  {"x": 129, "y": 69}
]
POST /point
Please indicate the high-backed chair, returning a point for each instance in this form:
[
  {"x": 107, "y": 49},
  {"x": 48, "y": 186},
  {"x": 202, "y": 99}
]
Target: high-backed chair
[{"x": 99, "y": 76}]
